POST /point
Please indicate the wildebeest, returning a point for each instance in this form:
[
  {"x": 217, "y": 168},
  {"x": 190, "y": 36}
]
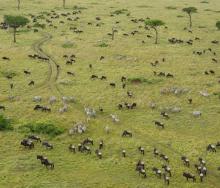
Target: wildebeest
[
  {"x": 98, "y": 154},
  {"x": 112, "y": 84},
  {"x": 164, "y": 157},
  {"x": 157, "y": 172},
  {"x": 126, "y": 133},
  {"x": 185, "y": 161},
  {"x": 27, "y": 72},
  {"x": 167, "y": 169},
  {"x": 31, "y": 83},
  {"x": 211, "y": 148},
  {"x": 188, "y": 176},
  {"x": 2, "y": 107},
  {"x": 159, "y": 124},
  {"x": 87, "y": 141},
  {"x": 72, "y": 148},
  {"x": 141, "y": 149},
  {"x": 34, "y": 137},
  {"x": 47, "y": 145},
  {"x": 47, "y": 163},
  {"x": 27, "y": 143}
]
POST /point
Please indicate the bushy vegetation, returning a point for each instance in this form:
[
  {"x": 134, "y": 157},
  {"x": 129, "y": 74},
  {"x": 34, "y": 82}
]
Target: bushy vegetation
[
  {"x": 42, "y": 128},
  {"x": 5, "y": 124},
  {"x": 42, "y": 26},
  {"x": 121, "y": 11}
]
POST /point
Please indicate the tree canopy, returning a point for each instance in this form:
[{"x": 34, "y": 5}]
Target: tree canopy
[
  {"x": 190, "y": 10},
  {"x": 218, "y": 24},
  {"x": 15, "y": 21},
  {"x": 154, "y": 23}
]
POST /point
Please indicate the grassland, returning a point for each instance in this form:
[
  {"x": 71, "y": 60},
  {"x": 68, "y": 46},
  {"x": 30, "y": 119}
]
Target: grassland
[{"x": 128, "y": 56}]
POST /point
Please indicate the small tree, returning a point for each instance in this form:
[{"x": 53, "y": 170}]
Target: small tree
[
  {"x": 15, "y": 22},
  {"x": 154, "y": 24},
  {"x": 218, "y": 25},
  {"x": 19, "y": 2},
  {"x": 64, "y": 3},
  {"x": 189, "y": 11}
]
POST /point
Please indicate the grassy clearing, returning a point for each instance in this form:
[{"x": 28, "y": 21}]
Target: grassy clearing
[{"x": 125, "y": 56}]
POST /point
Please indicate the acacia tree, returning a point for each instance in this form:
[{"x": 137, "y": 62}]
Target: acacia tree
[
  {"x": 189, "y": 11},
  {"x": 218, "y": 25},
  {"x": 19, "y": 2},
  {"x": 15, "y": 22},
  {"x": 154, "y": 24}
]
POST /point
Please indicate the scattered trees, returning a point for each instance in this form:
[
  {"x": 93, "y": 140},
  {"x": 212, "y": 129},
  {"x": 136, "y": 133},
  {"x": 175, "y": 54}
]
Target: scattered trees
[
  {"x": 189, "y": 11},
  {"x": 154, "y": 24},
  {"x": 15, "y": 22},
  {"x": 218, "y": 25}
]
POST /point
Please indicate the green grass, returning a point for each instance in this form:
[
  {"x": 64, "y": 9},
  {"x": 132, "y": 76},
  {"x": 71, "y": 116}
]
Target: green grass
[{"x": 124, "y": 56}]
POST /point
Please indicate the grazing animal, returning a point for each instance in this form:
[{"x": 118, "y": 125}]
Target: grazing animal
[
  {"x": 211, "y": 148},
  {"x": 37, "y": 98},
  {"x": 164, "y": 157},
  {"x": 156, "y": 152},
  {"x": 167, "y": 169},
  {"x": 188, "y": 176},
  {"x": 164, "y": 114},
  {"x": 141, "y": 149},
  {"x": 72, "y": 148},
  {"x": 123, "y": 153},
  {"x": 166, "y": 179},
  {"x": 157, "y": 172},
  {"x": 112, "y": 84},
  {"x": 27, "y": 143},
  {"x": 126, "y": 133},
  {"x": 101, "y": 144},
  {"x": 47, "y": 145},
  {"x": 159, "y": 124},
  {"x": 34, "y": 137},
  {"x": 185, "y": 161},
  {"x": 87, "y": 141},
  {"x": 47, "y": 163},
  {"x": 98, "y": 154},
  {"x": 27, "y": 72},
  {"x": 31, "y": 83},
  {"x": 2, "y": 107}
]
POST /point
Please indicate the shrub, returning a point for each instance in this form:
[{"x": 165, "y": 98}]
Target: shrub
[
  {"x": 218, "y": 25},
  {"x": 68, "y": 45},
  {"x": 43, "y": 128},
  {"x": 8, "y": 74},
  {"x": 121, "y": 11},
  {"x": 103, "y": 44},
  {"x": 5, "y": 124}
]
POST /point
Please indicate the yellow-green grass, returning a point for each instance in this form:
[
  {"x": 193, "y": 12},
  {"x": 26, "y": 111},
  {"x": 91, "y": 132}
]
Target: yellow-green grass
[{"x": 183, "y": 133}]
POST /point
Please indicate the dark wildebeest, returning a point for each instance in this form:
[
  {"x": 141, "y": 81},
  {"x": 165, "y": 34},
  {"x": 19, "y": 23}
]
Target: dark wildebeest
[
  {"x": 98, "y": 154},
  {"x": 126, "y": 133},
  {"x": 31, "y": 83},
  {"x": 2, "y": 107},
  {"x": 167, "y": 169},
  {"x": 188, "y": 176},
  {"x": 72, "y": 148},
  {"x": 47, "y": 145},
  {"x": 27, "y": 143},
  {"x": 157, "y": 171},
  {"x": 87, "y": 141},
  {"x": 211, "y": 148},
  {"x": 141, "y": 149},
  {"x": 185, "y": 161},
  {"x": 164, "y": 157},
  {"x": 47, "y": 163},
  {"x": 159, "y": 124},
  {"x": 34, "y": 137}
]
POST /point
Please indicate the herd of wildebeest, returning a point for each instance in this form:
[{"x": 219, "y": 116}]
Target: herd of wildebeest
[{"x": 86, "y": 146}]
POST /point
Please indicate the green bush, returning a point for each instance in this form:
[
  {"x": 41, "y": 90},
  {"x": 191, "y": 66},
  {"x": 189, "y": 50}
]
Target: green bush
[
  {"x": 121, "y": 11},
  {"x": 103, "y": 44},
  {"x": 5, "y": 124},
  {"x": 42, "y": 128}
]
